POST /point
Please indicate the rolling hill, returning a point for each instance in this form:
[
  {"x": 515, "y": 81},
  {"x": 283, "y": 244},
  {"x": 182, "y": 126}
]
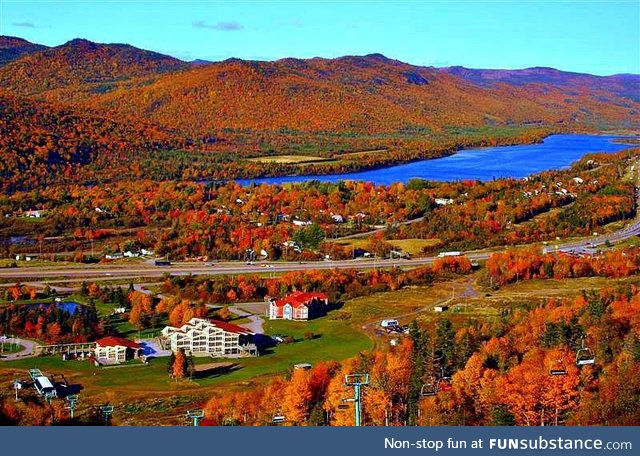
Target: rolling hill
[
  {"x": 82, "y": 63},
  {"x": 12, "y": 48}
]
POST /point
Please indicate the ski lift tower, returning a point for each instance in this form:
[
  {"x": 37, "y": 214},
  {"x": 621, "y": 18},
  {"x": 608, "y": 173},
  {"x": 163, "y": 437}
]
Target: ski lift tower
[
  {"x": 17, "y": 386},
  {"x": 196, "y": 415},
  {"x": 72, "y": 404},
  {"x": 107, "y": 411},
  {"x": 357, "y": 381}
]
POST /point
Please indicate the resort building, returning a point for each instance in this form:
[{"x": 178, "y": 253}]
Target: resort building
[
  {"x": 201, "y": 337},
  {"x": 298, "y": 306},
  {"x": 114, "y": 350}
]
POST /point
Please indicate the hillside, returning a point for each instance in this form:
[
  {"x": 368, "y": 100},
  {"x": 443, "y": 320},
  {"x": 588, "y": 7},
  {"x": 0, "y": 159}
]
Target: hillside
[
  {"x": 365, "y": 95},
  {"x": 82, "y": 63},
  {"x": 622, "y": 85},
  {"x": 42, "y": 143},
  {"x": 12, "y": 48}
]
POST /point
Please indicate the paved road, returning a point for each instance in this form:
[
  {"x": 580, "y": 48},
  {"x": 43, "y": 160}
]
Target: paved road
[
  {"x": 255, "y": 325},
  {"x": 378, "y": 230},
  {"x": 113, "y": 272}
]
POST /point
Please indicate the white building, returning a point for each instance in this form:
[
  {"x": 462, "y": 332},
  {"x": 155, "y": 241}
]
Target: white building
[
  {"x": 115, "y": 350},
  {"x": 211, "y": 338}
]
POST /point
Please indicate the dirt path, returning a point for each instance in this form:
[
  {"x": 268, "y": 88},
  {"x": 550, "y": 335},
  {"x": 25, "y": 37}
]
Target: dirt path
[{"x": 460, "y": 288}]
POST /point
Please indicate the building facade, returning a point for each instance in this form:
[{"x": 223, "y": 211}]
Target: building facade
[
  {"x": 114, "y": 350},
  {"x": 298, "y": 306},
  {"x": 201, "y": 337}
]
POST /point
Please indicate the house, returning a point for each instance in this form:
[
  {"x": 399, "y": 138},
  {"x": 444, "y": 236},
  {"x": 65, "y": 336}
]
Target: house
[
  {"x": 114, "y": 350},
  {"x": 298, "y": 306},
  {"x": 34, "y": 214},
  {"x": 302, "y": 222},
  {"x": 441, "y": 308},
  {"x": 337, "y": 218},
  {"x": 443, "y": 201},
  {"x": 201, "y": 337}
]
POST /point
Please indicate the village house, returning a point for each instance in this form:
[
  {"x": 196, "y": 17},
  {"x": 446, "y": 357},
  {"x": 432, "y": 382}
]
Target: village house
[
  {"x": 298, "y": 306},
  {"x": 201, "y": 337},
  {"x": 443, "y": 201},
  {"x": 115, "y": 350},
  {"x": 34, "y": 213}
]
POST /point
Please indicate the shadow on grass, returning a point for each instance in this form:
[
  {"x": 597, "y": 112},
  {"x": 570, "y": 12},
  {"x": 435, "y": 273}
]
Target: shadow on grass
[{"x": 214, "y": 370}]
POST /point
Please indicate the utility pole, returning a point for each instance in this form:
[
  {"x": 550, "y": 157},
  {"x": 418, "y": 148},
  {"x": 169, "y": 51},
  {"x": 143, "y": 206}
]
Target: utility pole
[{"x": 357, "y": 381}]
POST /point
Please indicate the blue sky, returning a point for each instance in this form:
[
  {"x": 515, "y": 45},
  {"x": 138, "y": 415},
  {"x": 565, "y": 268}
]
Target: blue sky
[{"x": 599, "y": 37}]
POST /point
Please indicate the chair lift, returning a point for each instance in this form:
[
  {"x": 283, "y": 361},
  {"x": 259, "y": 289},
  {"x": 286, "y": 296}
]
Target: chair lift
[
  {"x": 444, "y": 374},
  {"x": 584, "y": 355},
  {"x": 429, "y": 389},
  {"x": 559, "y": 368}
]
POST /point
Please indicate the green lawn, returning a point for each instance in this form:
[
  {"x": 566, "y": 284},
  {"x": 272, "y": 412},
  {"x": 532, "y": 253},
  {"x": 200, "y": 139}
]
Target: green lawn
[
  {"x": 126, "y": 329},
  {"x": 415, "y": 246},
  {"x": 293, "y": 159},
  {"x": 10, "y": 348}
]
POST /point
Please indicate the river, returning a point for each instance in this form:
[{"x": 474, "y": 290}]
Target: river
[{"x": 487, "y": 163}]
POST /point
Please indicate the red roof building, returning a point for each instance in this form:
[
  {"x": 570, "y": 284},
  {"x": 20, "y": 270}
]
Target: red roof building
[
  {"x": 113, "y": 350},
  {"x": 202, "y": 337},
  {"x": 298, "y": 305}
]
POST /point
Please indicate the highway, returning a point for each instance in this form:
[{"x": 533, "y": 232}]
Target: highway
[
  {"x": 115, "y": 272},
  {"x": 78, "y": 273}
]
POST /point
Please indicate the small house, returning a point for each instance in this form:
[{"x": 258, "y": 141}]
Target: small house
[{"x": 441, "y": 308}]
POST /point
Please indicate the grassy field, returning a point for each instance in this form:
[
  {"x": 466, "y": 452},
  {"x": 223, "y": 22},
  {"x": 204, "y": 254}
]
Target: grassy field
[
  {"x": 10, "y": 348},
  {"x": 289, "y": 159},
  {"x": 415, "y": 246},
  {"x": 411, "y": 246},
  {"x": 362, "y": 153},
  {"x": 8, "y": 262}
]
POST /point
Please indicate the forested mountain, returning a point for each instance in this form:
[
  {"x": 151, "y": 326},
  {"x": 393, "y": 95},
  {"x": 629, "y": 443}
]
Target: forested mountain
[
  {"x": 12, "y": 48},
  {"x": 249, "y": 108},
  {"x": 368, "y": 94},
  {"x": 81, "y": 62},
  {"x": 622, "y": 85}
]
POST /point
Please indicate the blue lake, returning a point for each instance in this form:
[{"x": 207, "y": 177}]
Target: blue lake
[
  {"x": 68, "y": 306},
  {"x": 487, "y": 163}
]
